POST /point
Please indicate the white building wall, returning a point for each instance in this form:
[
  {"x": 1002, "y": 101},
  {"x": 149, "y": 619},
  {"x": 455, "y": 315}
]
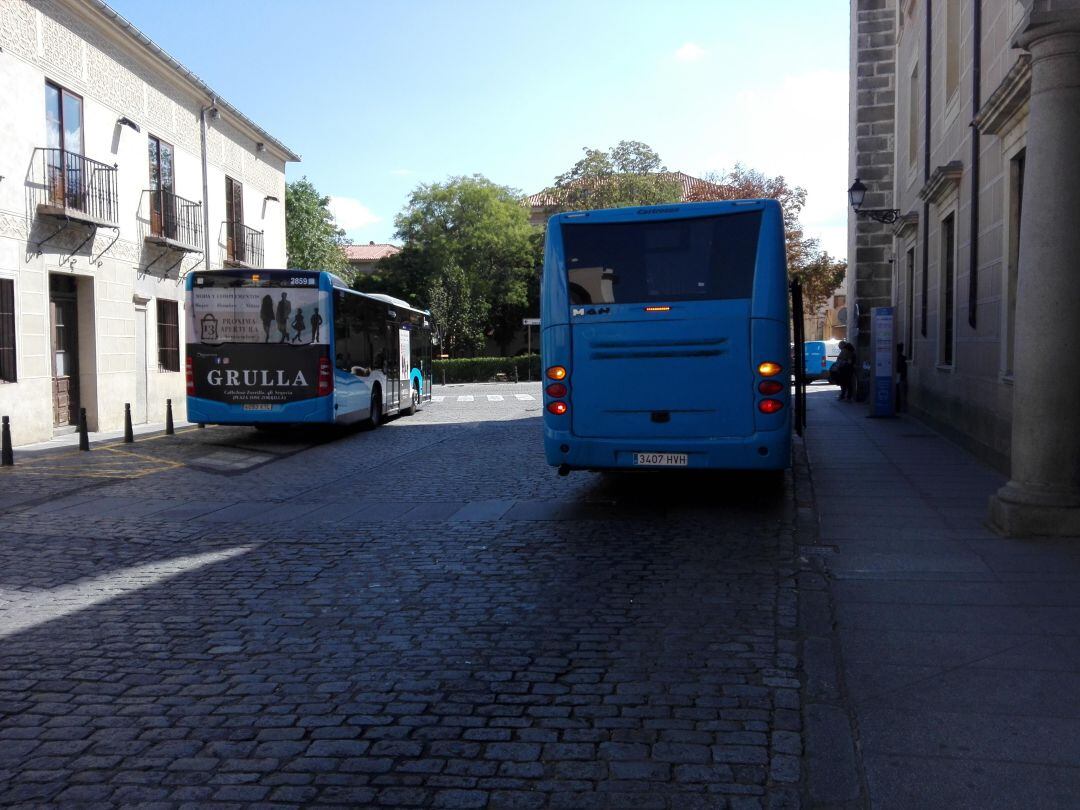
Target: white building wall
[{"x": 71, "y": 44}]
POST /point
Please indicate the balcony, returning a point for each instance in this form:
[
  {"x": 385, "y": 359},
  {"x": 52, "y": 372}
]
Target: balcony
[
  {"x": 243, "y": 245},
  {"x": 75, "y": 187},
  {"x": 175, "y": 222}
]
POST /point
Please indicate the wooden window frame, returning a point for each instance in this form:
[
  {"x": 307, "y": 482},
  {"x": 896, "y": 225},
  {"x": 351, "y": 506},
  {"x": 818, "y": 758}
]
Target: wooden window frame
[
  {"x": 168, "y": 331},
  {"x": 8, "y": 347}
]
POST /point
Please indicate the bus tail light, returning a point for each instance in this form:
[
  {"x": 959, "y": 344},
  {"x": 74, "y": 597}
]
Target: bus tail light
[
  {"x": 556, "y": 373},
  {"x": 189, "y": 372},
  {"x": 556, "y": 390},
  {"x": 770, "y": 405},
  {"x": 770, "y": 387},
  {"x": 769, "y": 369},
  {"x": 326, "y": 378},
  {"x": 558, "y": 407}
]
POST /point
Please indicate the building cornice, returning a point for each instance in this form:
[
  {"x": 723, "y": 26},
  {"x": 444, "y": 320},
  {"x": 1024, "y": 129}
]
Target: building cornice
[
  {"x": 1007, "y": 101},
  {"x": 906, "y": 223},
  {"x": 943, "y": 181},
  {"x": 98, "y": 11}
]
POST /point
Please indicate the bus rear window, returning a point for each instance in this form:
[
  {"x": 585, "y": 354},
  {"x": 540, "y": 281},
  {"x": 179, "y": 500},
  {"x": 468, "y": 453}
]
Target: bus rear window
[{"x": 702, "y": 258}]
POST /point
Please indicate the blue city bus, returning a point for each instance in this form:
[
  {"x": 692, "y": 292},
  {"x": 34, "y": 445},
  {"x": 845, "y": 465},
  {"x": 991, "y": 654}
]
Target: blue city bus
[
  {"x": 665, "y": 338},
  {"x": 300, "y": 346}
]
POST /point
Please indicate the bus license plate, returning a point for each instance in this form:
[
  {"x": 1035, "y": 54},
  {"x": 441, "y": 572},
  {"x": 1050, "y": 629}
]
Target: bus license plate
[
  {"x": 660, "y": 459},
  {"x": 259, "y": 407}
]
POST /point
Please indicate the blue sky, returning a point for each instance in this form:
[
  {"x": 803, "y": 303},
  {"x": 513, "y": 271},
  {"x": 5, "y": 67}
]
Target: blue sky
[{"x": 378, "y": 97}]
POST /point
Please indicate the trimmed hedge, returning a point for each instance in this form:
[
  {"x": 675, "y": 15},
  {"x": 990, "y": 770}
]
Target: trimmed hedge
[{"x": 484, "y": 369}]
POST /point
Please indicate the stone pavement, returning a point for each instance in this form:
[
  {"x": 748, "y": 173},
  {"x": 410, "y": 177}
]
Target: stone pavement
[
  {"x": 425, "y": 615},
  {"x": 956, "y": 651}
]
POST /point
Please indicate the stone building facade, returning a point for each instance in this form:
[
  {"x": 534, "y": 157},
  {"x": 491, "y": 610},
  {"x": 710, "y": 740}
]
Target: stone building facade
[
  {"x": 120, "y": 171},
  {"x": 963, "y": 122}
]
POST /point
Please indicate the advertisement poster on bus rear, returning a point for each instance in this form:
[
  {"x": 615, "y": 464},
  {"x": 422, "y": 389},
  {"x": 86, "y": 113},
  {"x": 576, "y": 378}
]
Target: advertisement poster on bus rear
[
  {"x": 293, "y": 316},
  {"x": 257, "y": 345}
]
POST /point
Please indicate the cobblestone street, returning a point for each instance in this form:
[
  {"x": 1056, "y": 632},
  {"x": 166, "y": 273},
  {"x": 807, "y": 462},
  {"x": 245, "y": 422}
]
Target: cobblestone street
[{"x": 423, "y": 615}]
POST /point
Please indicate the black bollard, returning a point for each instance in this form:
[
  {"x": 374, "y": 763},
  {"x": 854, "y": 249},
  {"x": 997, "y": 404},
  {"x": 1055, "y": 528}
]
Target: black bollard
[
  {"x": 84, "y": 439},
  {"x": 169, "y": 430},
  {"x": 129, "y": 435},
  {"x": 7, "y": 457}
]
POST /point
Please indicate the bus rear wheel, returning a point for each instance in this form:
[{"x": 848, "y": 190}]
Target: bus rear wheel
[
  {"x": 375, "y": 419},
  {"x": 415, "y": 403}
]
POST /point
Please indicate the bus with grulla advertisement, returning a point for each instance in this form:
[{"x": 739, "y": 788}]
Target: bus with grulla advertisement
[
  {"x": 665, "y": 338},
  {"x": 297, "y": 346}
]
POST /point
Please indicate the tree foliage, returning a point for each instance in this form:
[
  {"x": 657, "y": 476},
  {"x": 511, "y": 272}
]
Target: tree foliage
[
  {"x": 313, "y": 241},
  {"x": 467, "y": 252},
  {"x": 818, "y": 272},
  {"x": 630, "y": 173}
]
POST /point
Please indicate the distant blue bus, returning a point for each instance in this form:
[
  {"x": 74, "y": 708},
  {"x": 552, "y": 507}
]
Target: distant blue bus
[
  {"x": 665, "y": 338},
  {"x": 299, "y": 346}
]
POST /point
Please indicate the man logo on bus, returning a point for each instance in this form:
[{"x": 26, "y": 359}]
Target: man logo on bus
[
  {"x": 209, "y": 327},
  {"x": 590, "y": 311}
]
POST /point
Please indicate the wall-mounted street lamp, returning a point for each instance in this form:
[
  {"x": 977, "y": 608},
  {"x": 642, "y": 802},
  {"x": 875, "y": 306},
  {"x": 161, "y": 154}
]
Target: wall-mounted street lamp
[
  {"x": 260, "y": 147},
  {"x": 124, "y": 121},
  {"x": 856, "y": 195},
  {"x": 271, "y": 198}
]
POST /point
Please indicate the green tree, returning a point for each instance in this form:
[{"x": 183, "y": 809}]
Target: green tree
[
  {"x": 313, "y": 241},
  {"x": 818, "y": 272},
  {"x": 467, "y": 247},
  {"x": 630, "y": 173}
]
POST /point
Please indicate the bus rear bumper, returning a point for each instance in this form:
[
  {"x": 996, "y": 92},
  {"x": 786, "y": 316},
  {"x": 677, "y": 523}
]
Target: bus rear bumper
[
  {"x": 211, "y": 412},
  {"x": 764, "y": 450}
]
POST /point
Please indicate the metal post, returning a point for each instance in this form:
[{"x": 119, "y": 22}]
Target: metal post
[
  {"x": 169, "y": 429},
  {"x": 129, "y": 435},
  {"x": 528, "y": 330},
  {"x": 84, "y": 439},
  {"x": 7, "y": 457}
]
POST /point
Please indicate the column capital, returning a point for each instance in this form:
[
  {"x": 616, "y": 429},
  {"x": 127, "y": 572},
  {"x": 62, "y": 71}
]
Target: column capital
[{"x": 1047, "y": 18}]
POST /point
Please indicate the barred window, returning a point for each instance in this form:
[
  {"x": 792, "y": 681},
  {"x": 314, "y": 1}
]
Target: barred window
[
  {"x": 168, "y": 330},
  {"x": 7, "y": 330}
]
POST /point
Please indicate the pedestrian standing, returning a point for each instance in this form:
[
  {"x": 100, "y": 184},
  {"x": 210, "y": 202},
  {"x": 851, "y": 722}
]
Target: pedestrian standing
[{"x": 845, "y": 371}]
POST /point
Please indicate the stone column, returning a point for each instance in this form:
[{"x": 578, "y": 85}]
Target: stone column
[{"x": 1043, "y": 495}]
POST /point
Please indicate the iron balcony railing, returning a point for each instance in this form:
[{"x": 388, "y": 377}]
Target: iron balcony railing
[
  {"x": 244, "y": 245},
  {"x": 76, "y": 186},
  {"x": 175, "y": 220}
]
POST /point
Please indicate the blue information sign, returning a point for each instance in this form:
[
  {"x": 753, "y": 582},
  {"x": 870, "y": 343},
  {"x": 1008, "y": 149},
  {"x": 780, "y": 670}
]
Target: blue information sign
[{"x": 882, "y": 402}]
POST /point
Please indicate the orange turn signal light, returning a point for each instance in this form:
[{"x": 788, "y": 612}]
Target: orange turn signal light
[
  {"x": 556, "y": 373},
  {"x": 658, "y": 309},
  {"x": 769, "y": 369},
  {"x": 558, "y": 407}
]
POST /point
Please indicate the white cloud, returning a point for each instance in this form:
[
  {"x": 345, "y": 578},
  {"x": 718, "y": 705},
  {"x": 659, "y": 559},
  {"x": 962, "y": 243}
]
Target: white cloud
[
  {"x": 352, "y": 215},
  {"x": 690, "y": 52}
]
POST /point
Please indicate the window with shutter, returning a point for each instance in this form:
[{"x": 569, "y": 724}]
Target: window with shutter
[
  {"x": 7, "y": 330},
  {"x": 168, "y": 313}
]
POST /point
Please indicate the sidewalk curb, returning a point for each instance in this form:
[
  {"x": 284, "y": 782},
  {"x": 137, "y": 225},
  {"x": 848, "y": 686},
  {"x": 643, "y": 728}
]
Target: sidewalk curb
[{"x": 832, "y": 776}]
